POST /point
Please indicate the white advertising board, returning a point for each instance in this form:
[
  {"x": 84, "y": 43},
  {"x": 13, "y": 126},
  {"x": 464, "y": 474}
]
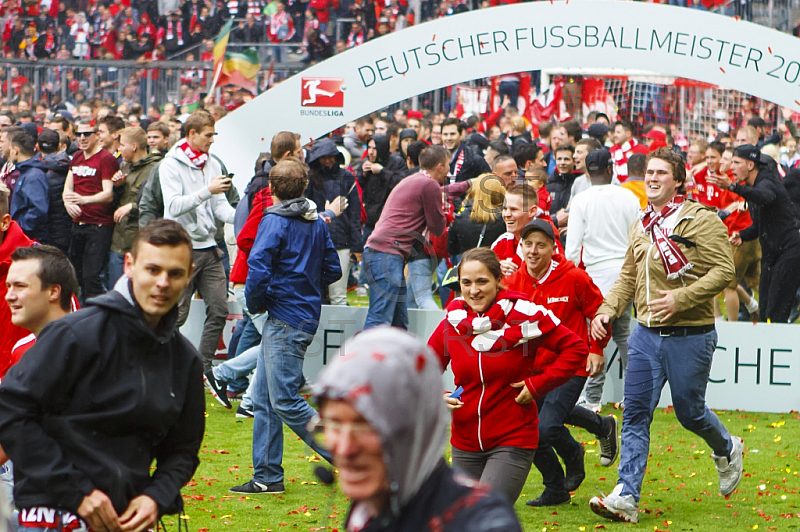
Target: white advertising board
[{"x": 756, "y": 366}]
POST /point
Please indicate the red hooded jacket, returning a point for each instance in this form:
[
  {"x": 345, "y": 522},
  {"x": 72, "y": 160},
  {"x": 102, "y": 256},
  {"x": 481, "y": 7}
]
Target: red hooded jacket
[
  {"x": 490, "y": 416},
  {"x": 570, "y": 294},
  {"x": 261, "y": 201},
  {"x": 14, "y": 238}
]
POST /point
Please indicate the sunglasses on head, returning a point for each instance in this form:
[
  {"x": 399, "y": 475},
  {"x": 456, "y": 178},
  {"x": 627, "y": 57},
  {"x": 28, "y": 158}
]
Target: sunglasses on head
[{"x": 84, "y": 133}]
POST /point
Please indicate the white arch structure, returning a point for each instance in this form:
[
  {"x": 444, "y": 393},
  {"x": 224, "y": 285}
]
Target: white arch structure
[{"x": 638, "y": 36}]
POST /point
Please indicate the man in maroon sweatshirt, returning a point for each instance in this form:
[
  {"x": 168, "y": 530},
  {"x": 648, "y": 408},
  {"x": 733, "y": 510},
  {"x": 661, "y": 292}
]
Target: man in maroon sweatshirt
[{"x": 414, "y": 207}]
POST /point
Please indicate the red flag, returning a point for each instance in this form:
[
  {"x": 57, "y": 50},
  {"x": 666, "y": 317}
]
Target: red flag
[
  {"x": 595, "y": 97},
  {"x": 548, "y": 104}
]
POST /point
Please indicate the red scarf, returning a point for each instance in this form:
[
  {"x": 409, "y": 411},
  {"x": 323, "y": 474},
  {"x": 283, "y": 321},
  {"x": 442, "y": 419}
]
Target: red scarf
[
  {"x": 509, "y": 322},
  {"x": 675, "y": 263},
  {"x": 198, "y": 158}
]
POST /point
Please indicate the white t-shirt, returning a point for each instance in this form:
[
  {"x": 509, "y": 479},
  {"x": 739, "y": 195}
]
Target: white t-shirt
[{"x": 599, "y": 221}]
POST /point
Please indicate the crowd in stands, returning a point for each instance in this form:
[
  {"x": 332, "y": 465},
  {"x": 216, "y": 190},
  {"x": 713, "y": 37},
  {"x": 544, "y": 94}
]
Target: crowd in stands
[{"x": 150, "y": 30}]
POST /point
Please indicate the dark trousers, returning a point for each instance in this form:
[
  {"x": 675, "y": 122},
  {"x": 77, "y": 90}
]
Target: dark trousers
[
  {"x": 556, "y": 409},
  {"x": 778, "y": 286},
  {"x": 208, "y": 279},
  {"x": 88, "y": 253}
]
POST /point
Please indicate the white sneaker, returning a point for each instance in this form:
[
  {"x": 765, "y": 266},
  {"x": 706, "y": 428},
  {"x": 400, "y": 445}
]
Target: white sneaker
[
  {"x": 730, "y": 471},
  {"x": 616, "y": 507},
  {"x": 594, "y": 407}
]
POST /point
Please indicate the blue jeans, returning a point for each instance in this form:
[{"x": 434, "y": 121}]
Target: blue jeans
[
  {"x": 366, "y": 231},
  {"x": 684, "y": 362},
  {"x": 441, "y": 271},
  {"x": 116, "y": 269},
  {"x": 387, "y": 289},
  {"x": 276, "y": 399},
  {"x": 238, "y": 368},
  {"x": 420, "y": 276}
]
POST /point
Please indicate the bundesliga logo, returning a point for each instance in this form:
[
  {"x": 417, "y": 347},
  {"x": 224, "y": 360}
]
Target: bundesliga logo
[{"x": 322, "y": 92}]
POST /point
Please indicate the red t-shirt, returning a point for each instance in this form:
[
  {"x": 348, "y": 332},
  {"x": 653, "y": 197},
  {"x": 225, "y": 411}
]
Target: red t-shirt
[
  {"x": 705, "y": 192},
  {"x": 544, "y": 203},
  {"x": 87, "y": 178},
  {"x": 737, "y": 219}
]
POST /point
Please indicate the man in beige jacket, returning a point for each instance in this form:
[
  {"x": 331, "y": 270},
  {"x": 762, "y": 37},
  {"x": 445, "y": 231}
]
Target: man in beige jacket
[{"x": 678, "y": 259}]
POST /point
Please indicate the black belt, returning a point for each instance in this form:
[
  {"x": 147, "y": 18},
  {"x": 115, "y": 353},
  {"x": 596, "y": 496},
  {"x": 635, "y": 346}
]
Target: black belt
[{"x": 676, "y": 331}]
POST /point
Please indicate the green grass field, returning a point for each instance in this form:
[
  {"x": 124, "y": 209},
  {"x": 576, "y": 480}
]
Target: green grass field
[{"x": 680, "y": 490}]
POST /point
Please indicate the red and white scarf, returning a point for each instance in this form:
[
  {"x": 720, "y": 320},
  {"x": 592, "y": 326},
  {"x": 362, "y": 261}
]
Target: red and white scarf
[
  {"x": 675, "y": 263},
  {"x": 171, "y": 34},
  {"x": 198, "y": 158},
  {"x": 509, "y": 322},
  {"x": 459, "y": 162},
  {"x": 620, "y": 154}
]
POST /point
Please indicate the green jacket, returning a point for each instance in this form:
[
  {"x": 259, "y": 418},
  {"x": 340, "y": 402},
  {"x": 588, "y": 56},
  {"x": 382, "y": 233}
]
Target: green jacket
[
  {"x": 125, "y": 231},
  {"x": 642, "y": 274}
]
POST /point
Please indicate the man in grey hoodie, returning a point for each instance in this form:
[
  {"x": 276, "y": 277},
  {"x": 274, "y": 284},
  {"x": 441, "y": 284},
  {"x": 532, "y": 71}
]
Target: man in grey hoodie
[
  {"x": 384, "y": 421},
  {"x": 193, "y": 183}
]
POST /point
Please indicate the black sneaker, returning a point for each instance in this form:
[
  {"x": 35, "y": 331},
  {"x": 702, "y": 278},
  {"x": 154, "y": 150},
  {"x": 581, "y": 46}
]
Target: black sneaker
[
  {"x": 548, "y": 498},
  {"x": 217, "y": 389},
  {"x": 243, "y": 412},
  {"x": 575, "y": 472},
  {"x": 253, "y": 487},
  {"x": 609, "y": 444}
]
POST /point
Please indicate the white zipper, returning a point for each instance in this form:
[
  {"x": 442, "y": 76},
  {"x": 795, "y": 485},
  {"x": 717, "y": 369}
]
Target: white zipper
[{"x": 480, "y": 401}]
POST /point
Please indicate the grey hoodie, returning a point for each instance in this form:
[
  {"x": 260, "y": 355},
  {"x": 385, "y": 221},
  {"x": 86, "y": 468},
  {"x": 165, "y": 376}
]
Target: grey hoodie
[
  {"x": 403, "y": 402},
  {"x": 188, "y": 200}
]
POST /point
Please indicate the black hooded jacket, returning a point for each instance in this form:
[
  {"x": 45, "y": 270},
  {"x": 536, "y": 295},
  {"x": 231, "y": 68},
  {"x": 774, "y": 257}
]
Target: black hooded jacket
[
  {"x": 59, "y": 223},
  {"x": 96, "y": 401},
  {"x": 326, "y": 184},
  {"x": 376, "y": 187},
  {"x": 774, "y": 223}
]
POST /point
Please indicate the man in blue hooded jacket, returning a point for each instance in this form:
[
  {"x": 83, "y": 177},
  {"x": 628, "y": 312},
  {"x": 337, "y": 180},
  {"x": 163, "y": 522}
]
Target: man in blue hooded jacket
[
  {"x": 30, "y": 201},
  {"x": 292, "y": 258}
]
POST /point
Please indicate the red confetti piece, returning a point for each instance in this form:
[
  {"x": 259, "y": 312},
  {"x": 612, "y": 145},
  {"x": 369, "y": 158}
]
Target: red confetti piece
[
  {"x": 722, "y": 70},
  {"x": 770, "y": 49},
  {"x": 798, "y": 103},
  {"x": 434, "y": 37}
]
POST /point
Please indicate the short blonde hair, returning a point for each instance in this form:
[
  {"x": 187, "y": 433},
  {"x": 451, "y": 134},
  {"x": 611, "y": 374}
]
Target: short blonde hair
[{"x": 135, "y": 135}]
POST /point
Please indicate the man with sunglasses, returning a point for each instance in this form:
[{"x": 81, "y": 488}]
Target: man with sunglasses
[{"x": 88, "y": 195}]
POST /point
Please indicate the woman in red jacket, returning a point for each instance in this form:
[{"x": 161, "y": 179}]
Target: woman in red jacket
[{"x": 490, "y": 336}]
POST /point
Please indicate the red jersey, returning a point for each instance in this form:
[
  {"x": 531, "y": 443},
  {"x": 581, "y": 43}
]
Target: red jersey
[
  {"x": 705, "y": 192},
  {"x": 247, "y": 236},
  {"x": 507, "y": 247},
  {"x": 739, "y": 218},
  {"x": 87, "y": 179},
  {"x": 21, "y": 347},
  {"x": 11, "y": 334},
  {"x": 544, "y": 204},
  {"x": 569, "y": 293}
]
